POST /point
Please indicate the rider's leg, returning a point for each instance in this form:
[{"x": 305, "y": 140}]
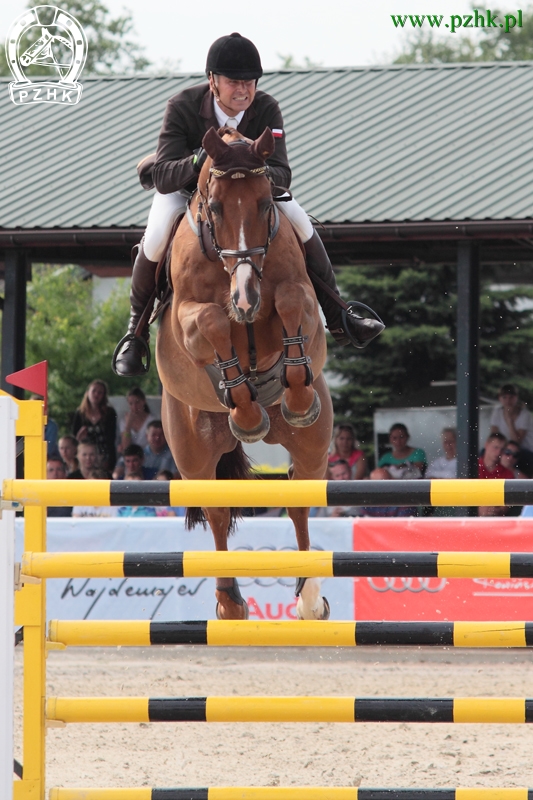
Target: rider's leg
[
  {"x": 359, "y": 331},
  {"x": 165, "y": 208}
]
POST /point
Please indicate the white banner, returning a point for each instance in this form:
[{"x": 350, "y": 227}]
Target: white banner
[{"x": 166, "y": 599}]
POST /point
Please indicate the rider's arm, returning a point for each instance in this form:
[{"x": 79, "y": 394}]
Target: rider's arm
[
  {"x": 173, "y": 168},
  {"x": 270, "y": 116}
]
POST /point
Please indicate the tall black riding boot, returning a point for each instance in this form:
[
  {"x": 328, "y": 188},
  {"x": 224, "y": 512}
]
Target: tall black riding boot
[
  {"x": 133, "y": 348},
  {"x": 347, "y": 328}
]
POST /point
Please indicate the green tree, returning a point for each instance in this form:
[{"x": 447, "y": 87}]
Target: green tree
[
  {"x": 111, "y": 45},
  {"x": 76, "y": 337},
  {"x": 289, "y": 62},
  {"x": 418, "y": 345},
  {"x": 490, "y": 44}
]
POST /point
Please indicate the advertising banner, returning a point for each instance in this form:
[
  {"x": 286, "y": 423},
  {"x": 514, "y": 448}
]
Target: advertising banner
[
  {"x": 435, "y": 599},
  {"x": 164, "y": 599}
]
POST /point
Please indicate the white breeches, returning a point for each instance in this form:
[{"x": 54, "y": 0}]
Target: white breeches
[{"x": 166, "y": 207}]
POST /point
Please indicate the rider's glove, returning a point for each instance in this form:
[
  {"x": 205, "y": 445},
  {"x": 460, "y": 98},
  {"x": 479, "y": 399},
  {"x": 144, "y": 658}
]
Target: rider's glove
[{"x": 199, "y": 158}]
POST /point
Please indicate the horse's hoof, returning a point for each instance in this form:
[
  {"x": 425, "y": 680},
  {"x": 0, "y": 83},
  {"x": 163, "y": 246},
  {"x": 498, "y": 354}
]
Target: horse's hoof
[
  {"x": 302, "y": 420},
  {"x": 244, "y": 612},
  {"x": 255, "y": 434},
  {"x": 325, "y": 613}
]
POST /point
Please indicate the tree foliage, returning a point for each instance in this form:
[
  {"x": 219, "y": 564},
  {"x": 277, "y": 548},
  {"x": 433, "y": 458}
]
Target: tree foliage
[
  {"x": 418, "y": 345},
  {"x": 289, "y": 62},
  {"x": 489, "y": 44},
  {"x": 112, "y": 48},
  {"x": 76, "y": 337}
]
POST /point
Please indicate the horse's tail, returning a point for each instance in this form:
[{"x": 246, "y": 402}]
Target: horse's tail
[{"x": 232, "y": 466}]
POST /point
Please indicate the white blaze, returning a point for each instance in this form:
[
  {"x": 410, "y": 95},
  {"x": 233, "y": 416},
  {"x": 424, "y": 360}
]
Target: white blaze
[{"x": 244, "y": 272}]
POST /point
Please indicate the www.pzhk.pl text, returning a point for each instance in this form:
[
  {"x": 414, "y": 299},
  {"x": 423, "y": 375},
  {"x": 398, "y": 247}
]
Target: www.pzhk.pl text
[{"x": 484, "y": 19}]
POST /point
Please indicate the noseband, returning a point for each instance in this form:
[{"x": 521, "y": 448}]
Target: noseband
[{"x": 242, "y": 256}]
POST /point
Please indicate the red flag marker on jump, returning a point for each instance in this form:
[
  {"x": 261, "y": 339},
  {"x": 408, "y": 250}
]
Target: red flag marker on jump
[{"x": 33, "y": 379}]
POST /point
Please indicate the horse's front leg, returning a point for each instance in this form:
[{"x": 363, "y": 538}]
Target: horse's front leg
[
  {"x": 300, "y": 405},
  {"x": 310, "y": 603},
  {"x": 230, "y": 603},
  {"x": 206, "y": 328}
]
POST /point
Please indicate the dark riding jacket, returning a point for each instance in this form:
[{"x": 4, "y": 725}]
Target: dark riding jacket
[{"x": 188, "y": 117}]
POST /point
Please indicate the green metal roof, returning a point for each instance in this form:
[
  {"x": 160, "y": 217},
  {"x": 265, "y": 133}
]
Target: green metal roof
[{"x": 373, "y": 144}]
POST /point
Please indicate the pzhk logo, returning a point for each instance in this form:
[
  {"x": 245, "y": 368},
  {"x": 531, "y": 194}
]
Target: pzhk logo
[{"x": 51, "y": 40}]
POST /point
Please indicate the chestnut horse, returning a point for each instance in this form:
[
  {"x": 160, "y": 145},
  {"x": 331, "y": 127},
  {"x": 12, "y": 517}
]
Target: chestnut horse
[{"x": 244, "y": 321}]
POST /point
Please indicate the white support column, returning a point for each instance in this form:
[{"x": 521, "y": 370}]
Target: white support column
[{"x": 8, "y": 415}]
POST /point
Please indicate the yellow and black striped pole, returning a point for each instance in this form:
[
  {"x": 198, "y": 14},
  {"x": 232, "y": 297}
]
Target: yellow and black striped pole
[
  {"x": 269, "y": 493},
  {"x": 241, "y": 633},
  {"x": 315, "y": 564},
  {"x": 290, "y": 709},
  {"x": 291, "y": 793}
]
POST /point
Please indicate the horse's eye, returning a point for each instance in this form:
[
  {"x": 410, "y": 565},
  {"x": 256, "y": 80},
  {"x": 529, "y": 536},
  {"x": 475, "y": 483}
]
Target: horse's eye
[
  {"x": 265, "y": 206},
  {"x": 215, "y": 208}
]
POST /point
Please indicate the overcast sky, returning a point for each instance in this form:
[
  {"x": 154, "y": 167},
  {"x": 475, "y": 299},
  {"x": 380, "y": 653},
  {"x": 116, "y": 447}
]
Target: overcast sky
[{"x": 332, "y": 32}]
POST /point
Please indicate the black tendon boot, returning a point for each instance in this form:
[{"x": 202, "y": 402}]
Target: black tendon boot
[
  {"x": 345, "y": 326},
  {"x": 130, "y": 351}
]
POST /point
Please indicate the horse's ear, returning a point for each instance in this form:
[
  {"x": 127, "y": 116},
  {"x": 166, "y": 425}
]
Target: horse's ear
[
  {"x": 213, "y": 144},
  {"x": 264, "y": 146}
]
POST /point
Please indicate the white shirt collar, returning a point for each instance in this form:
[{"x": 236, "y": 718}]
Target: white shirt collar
[{"x": 222, "y": 117}]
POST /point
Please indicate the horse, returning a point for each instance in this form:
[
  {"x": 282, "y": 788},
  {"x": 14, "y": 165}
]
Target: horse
[{"x": 235, "y": 348}]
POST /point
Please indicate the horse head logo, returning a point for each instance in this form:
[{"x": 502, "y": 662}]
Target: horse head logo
[{"x": 52, "y": 40}]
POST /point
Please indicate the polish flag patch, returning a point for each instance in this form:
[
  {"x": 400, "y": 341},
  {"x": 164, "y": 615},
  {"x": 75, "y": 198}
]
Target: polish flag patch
[{"x": 277, "y": 133}]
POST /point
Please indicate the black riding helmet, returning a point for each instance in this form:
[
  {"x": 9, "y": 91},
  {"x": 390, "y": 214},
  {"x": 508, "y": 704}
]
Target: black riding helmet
[{"x": 235, "y": 57}]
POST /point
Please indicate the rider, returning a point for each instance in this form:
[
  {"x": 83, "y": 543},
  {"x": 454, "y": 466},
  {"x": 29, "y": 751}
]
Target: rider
[{"x": 230, "y": 98}]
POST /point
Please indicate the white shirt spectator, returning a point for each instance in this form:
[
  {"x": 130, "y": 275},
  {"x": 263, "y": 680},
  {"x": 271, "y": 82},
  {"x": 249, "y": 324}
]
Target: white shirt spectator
[
  {"x": 137, "y": 437},
  {"x": 523, "y": 422},
  {"x": 442, "y": 467}
]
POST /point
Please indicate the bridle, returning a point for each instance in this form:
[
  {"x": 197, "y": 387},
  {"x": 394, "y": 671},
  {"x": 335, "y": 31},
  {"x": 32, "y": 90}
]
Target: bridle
[{"x": 241, "y": 256}]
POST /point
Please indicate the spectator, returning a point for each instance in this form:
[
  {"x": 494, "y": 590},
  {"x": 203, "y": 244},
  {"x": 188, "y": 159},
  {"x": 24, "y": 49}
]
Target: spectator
[
  {"x": 88, "y": 458},
  {"x": 96, "y": 421},
  {"x": 95, "y": 511},
  {"x": 445, "y": 466},
  {"x": 134, "y": 425},
  {"x": 516, "y": 423},
  {"x": 339, "y": 471},
  {"x": 134, "y": 464},
  {"x": 509, "y": 459},
  {"x": 402, "y": 461},
  {"x": 489, "y": 466},
  {"x": 157, "y": 455},
  {"x": 164, "y": 475},
  {"x": 68, "y": 448},
  {"x": 383, "y": 474},
  {"x": 51, "y": 433},
  {"x": 56, "y": 470},
  {"x": 346, "y": 448}
]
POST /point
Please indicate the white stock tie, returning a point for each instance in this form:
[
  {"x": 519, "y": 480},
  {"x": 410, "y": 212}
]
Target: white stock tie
[{"x": 231, "y": 122}]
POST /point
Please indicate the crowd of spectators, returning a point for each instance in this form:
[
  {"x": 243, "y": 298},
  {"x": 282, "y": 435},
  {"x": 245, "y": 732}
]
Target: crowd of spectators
[
  {"x": 134, "y": 448},
  {"x": 100, "y": 447},
  {"x": 507, "y": 454}
]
